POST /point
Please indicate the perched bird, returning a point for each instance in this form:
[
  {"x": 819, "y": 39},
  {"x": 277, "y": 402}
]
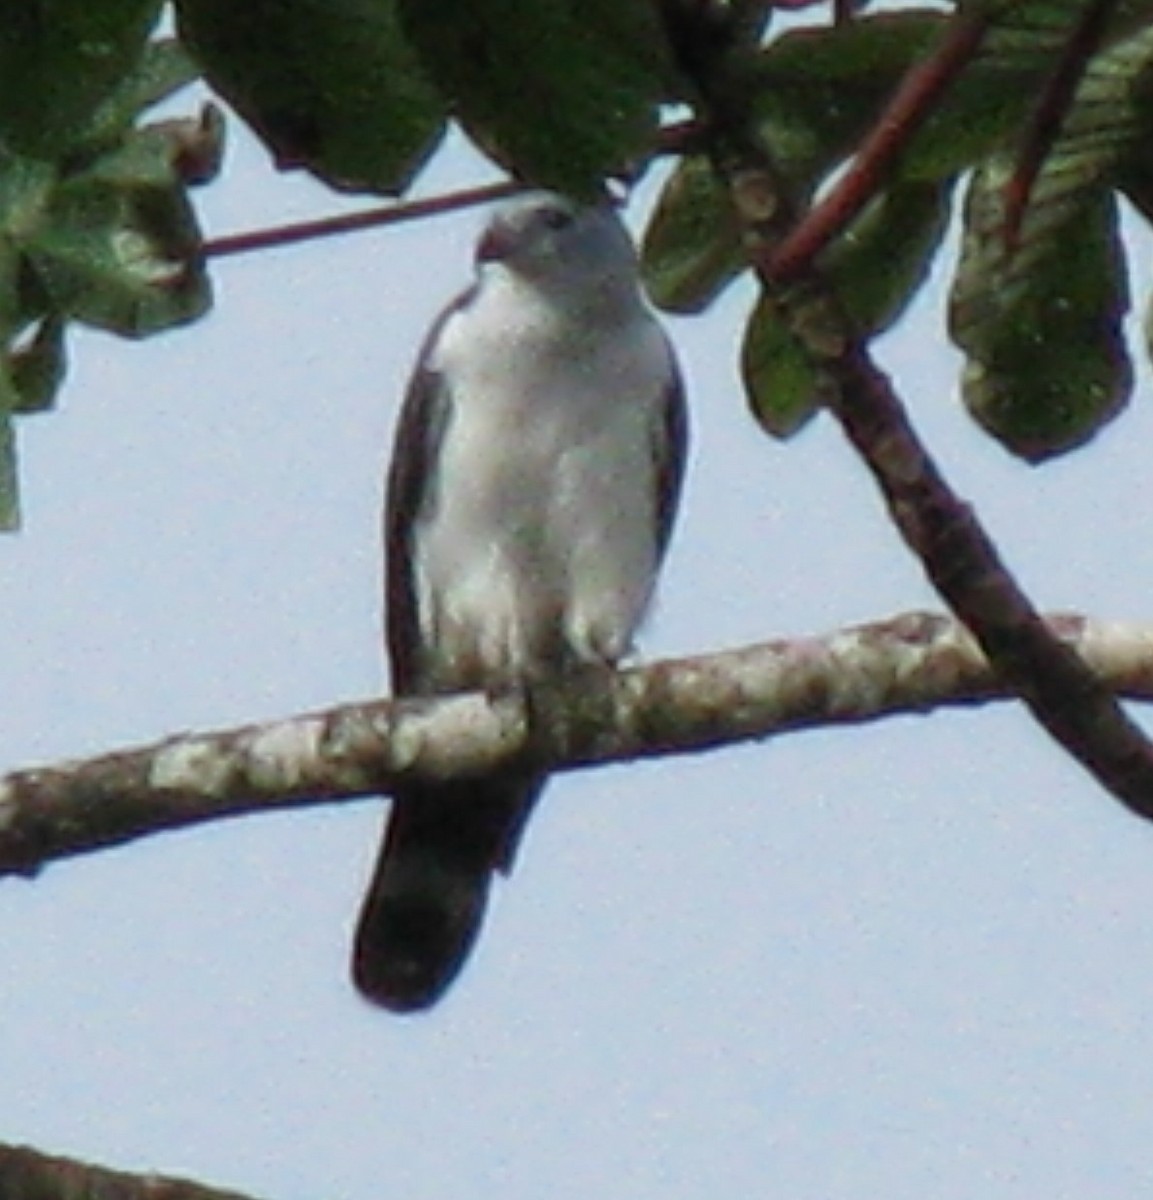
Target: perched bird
[{"x": 533, "y": 484}]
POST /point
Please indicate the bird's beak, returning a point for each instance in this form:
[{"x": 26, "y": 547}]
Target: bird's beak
[{"x": 496, "y": 243}]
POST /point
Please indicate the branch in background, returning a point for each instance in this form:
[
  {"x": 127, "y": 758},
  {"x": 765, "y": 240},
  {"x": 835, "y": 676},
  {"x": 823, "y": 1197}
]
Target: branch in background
[
  {"x": 374, "y": 218},
  {"x": 680, "y": 137},
  {"x": 956, "y": 553},
  {"x": 1046, "y": 119},
  {"x": 26, "y": 1174},
  {"x": 913, "y": 663}
]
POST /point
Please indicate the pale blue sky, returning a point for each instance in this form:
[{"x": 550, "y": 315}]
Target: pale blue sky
[{"x": 906, "y": 961}]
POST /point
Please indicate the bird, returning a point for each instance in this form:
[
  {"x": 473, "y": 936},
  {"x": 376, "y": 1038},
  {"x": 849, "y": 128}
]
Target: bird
[{"x": 535, "y": 476}]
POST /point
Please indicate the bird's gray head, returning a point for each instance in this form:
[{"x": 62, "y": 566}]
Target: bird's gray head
[{"x": 548, "y": 240}]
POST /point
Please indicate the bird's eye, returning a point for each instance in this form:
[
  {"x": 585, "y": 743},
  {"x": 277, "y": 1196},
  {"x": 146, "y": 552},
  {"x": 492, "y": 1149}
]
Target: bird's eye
[{"x": 557, "y": 218}]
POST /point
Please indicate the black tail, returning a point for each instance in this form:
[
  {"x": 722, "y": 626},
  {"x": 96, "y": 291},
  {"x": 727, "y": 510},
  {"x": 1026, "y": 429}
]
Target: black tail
[{"x": 427, "y": 898}]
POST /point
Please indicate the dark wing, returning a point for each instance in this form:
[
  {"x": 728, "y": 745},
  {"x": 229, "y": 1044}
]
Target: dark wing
[
  {"x": 416, "y": 448},
  {"x": 426, "y": 901},
  {"x": 671, "y": 438}
]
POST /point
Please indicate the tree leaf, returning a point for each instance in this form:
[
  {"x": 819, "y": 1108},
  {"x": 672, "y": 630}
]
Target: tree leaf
[
  {"x": 10, "y": 323},
  {"x": 36, "y": 368},
  {"x": 879, "y": 263},
  {"x": 163, "y": 69},
  {"x": 119, "y": 254},
  {"x": 820, "y": 89},
  {"x": 1040, "y": 320},
  {"x": 59, "y": 60},
  {"x": 784, "y": 384},
  {"x": 555, "y": 90},
  {"x": 9, "y": 472},
  {"x": 328, "y": 85},
  {"x": 25, "y": 190},
  {"x": 1046, "y": 365},
  {"x": 692, "y": 246}
]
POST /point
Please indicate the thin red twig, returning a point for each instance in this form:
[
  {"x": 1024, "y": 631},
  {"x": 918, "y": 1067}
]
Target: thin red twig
[
  {"x": 1045, "y": 121},
  {"x": 393, "y": 214}
]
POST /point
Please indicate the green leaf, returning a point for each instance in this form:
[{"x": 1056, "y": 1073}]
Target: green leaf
[
  {"x": 1050, "y": 21},
  {"x": 111, "y": 241},
  {"x": 784, "y": 384},
  {"x": 987, "y": 105},
  {"x": 879, "y": 263},
  {"x": 874, "y": 270},
  {"x": 820, "y": 90},
  {"x": 163, "y": 69},
  {"x": 188, "y": 149},
  {"x": 1040, "y": 320},
  {"x": 692, "y": 246},
  {"x": 329, "y": 85},
  {"x": 59, "y": 60},
  {"x": 868, "y": 54},
  {"x": 16, "y": 189},
  {"x": 25, "y": 190},
  {"x": 114, "y": 244},
  {"x": 120, "y": 258},
  {"x": 555, "y": 90},
  {"x": 9, "y": 472},
  {"x": 36, "y": 369},
  {"x": 1046, "y": 361},
  {"x": 978, "y": 113}
]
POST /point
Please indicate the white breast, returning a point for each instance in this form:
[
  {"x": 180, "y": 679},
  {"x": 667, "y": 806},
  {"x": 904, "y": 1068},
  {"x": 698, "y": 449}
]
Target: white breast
[{"x": 542, "y": 540}]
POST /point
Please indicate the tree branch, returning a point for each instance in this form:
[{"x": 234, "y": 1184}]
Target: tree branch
[
  {"x": 26, "y": 1174},
  {"x": 680, "y": 137},
  {"x": 1050, "y": 111},
  {"x": 958, "y": 556},
  {"x": 910, "y": 664},
  {"x": 373, "y": 218}
]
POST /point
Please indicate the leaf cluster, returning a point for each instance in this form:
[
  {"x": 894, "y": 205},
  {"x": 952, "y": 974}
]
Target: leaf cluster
[
  {"x": 1037, "y": 310},
  {"x": 96, "y": 224}
]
